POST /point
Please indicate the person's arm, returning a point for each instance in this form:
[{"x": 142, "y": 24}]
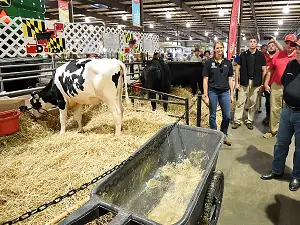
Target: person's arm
[
  {"x": 205, "y": 75},
  {"x": 230, "y": 82},
  {"x": 267, "y": 80},
  {"x": 278, "y": 45},
  {"x": 236, "y": 78}
]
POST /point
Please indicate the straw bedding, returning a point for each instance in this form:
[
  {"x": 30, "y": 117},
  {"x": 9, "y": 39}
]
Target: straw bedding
[{"x": 38, "y": 164}]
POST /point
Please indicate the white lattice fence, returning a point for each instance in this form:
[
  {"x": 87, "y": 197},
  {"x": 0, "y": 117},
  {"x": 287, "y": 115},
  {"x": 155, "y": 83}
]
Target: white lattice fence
[
  {"x": 83, "y": 39},
  {"x": 11, "y": 37}
]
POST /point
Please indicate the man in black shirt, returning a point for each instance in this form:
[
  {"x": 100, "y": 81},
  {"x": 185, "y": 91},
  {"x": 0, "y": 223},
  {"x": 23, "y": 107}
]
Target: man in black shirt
[
  {"x": 289, "y": 124},
  {"x": 249, "y": 77}
]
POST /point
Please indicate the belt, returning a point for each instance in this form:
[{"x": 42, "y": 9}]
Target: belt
[{"x": 293, "y": 108}]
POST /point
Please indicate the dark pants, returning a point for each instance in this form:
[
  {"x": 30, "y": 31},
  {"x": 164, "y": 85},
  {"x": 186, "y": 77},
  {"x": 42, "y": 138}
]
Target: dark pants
[
  {"x": 289, "y": 125},
  {"x": 267, "y": 104},
  {"x": 223, "y": 98}
]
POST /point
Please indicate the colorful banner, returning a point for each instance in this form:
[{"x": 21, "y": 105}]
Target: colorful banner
[
  {"x": 136, "y": 13},
  {"x": 233, "y": 28},
  {"x": 43, "y": 36},
  {"x": 63, "y": 10}
]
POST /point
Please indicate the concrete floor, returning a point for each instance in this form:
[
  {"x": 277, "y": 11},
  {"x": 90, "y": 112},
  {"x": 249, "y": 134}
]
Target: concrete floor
[{"x": 248, "y": 200}]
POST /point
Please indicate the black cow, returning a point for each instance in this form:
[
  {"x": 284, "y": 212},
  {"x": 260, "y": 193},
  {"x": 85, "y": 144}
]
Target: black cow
[
  {"x": 157, "y": 76},
  {"x": 187, "y": 74}
]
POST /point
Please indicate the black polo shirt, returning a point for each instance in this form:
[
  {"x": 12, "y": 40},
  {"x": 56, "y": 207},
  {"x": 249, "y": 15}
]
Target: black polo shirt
[
  {"x": 248, "y": 59},
  {"x": 291, "y": 82},
  {"x": 218, "y": 74}
]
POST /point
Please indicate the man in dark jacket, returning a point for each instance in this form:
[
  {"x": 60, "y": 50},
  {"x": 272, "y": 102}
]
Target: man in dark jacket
[
  {"x": 249, "y": 77},
  {"x": 289, "y": 124}
]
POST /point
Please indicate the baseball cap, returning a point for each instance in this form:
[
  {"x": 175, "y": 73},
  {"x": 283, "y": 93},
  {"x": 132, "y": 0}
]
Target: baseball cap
[{"x": 291, "y": 37}]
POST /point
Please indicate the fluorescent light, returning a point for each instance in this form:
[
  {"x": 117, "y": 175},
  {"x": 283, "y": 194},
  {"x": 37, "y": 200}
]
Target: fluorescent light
[
  {"x": 124, "y": 17},
  {"x": 191, "y": 38},
  {"x": 286, "y": 9},
  {"x": 276, "y": 33},
  {"x": 179, "y": 44},
  {"x": 87, "y": 20},
  {"x": 244, "y": 38},
  {"x": 280, "y": 22},
  {"x": 176, "y": 34},
  {"x": 206, "y": 34},
  {"x": 215, "y": 38},
  {"x": 151, "y": 25},
  {"x": 188, "y": 24},
  {"x": 168, "y": 15},
  {"x": 167, "y": 38}
]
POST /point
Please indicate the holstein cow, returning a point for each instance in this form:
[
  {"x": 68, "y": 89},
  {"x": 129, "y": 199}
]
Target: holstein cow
[
  {"x": 157, "y": 76},
  {"x": 85, "y": 81}
]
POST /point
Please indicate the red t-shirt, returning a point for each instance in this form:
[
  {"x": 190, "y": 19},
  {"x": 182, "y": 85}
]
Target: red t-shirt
[
  {"x": 268, "y": 59},
  {"x": 279, "y": 62}
]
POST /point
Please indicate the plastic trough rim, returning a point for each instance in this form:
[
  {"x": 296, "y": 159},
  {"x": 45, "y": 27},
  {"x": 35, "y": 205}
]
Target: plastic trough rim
[{"x": 16, "y": 115}]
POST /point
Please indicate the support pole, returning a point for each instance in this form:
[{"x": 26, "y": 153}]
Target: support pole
[
  {"x": 199, "y": 102},
  {"x": 239, "y": 38},
  {"x": 187, "y": 112}
]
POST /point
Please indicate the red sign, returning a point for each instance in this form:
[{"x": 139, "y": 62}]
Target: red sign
[{"x": 233, "y": 28}]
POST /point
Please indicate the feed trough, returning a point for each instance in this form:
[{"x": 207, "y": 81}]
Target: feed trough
[{"x": 171, "y": 179}]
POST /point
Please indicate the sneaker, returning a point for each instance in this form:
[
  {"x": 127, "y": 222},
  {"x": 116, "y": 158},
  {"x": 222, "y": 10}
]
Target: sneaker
[
  {"x": 227, "y": 142},
  {"x": 269, "y": 135},
  {"x": 236, "y": 125}
]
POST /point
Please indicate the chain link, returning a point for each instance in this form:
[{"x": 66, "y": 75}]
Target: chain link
[{"x": 86, "y": 185}]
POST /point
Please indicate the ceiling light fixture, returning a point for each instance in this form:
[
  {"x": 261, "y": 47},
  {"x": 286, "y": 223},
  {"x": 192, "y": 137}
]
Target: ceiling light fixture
[
  {"x": 221, "y": 12},
  {"x": 191, "y": 38},
  {"x": 151, "y": 25},
  {"x": 188, "y": 24},
  {"x": 215, "y": 38},
  {"x": 168, "y": 15},
  {"x": 124, "y": 17},
  {"x": 119, "y": 27},
  {"x": 276, "y": 33},
  {"x": 280, "y": 22},
  {"x": 167, "y": 38},
  {"x": 206, "y": 34},
  {"x": 244, "y": 38},
  {"x": 286, "y": 9}
]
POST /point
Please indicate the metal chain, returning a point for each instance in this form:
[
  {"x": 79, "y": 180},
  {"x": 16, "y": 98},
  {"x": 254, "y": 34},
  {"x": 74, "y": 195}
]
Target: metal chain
[{"x": 86, "y": 185}]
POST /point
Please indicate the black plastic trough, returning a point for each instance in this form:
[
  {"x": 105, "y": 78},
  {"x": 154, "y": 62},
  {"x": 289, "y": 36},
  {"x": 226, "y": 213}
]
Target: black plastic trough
[{"x": 118, "y": 192}]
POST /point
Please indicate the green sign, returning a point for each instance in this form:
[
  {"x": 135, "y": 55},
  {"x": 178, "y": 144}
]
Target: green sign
[{"x": 33, "y": 9}]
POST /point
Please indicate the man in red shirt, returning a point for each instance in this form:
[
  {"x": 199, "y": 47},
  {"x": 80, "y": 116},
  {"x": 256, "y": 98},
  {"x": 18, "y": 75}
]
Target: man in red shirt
[
  {"x": 272, "y": 47},
  {"x": 275, "y": 72}
]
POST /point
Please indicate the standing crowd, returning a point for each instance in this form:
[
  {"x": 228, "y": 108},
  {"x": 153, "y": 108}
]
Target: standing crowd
[{"x": 272, "y": 72}]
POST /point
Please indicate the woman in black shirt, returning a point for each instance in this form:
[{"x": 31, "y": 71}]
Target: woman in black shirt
[{"x": 218, "y": 88}]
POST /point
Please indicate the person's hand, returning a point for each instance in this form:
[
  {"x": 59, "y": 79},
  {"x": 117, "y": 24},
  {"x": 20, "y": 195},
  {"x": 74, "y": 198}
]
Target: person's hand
[
  {"x": 261, "y": 89},
  {"x": 231, "y": 99},
  {"x": 267, "y": 88},
  {"x": 237, "y": 86},
  {"x": 206, "y": 100}
]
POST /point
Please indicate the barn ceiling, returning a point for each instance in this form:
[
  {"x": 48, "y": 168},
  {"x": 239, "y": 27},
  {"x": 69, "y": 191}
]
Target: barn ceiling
[{"x": 259, "y": 17}]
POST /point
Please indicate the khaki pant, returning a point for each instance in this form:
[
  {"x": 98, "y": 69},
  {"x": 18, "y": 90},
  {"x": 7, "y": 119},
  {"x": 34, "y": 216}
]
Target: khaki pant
[
  {"x": 246, "y": 92},
  {"x": 276, "y": 106}
]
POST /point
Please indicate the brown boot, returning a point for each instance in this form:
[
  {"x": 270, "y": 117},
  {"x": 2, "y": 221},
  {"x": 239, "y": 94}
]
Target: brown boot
[{"x": 227, "y": 141}]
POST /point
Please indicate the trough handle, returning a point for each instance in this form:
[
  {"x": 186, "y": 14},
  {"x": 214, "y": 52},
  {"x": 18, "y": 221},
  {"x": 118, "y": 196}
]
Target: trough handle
[
  {"x": 120, "y": 219},
  {"x": 86, "y": 213}
]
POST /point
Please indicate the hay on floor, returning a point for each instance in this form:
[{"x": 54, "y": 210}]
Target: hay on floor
[{"x": 38, "y": 164}]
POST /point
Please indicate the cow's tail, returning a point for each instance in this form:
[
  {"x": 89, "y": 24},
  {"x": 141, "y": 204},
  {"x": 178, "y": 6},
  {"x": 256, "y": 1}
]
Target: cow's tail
[{"x": 123, "y": 78}]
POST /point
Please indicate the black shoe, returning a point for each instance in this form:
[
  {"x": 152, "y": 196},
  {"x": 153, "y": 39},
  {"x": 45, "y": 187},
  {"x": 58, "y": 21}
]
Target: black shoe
[
  {"x": 294, "y": 184},
  {"x": 236, "y": 125},
  {"x": 249, "y": 126},
  {"x": 270, "y": 175}
]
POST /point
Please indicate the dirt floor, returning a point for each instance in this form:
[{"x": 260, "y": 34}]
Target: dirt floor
[{"x": 38, "y": 164}]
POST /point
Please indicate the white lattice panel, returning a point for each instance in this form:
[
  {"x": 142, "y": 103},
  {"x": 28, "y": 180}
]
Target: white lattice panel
[
  {"x": 11, "y": 37},
  {"x": 83, "y": 39}
]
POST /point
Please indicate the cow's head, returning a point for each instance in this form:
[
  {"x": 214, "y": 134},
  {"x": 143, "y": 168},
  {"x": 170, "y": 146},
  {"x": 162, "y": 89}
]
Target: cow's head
[
  {"x": 150, "y": 74},
  {"x": 38, "y": 104}
]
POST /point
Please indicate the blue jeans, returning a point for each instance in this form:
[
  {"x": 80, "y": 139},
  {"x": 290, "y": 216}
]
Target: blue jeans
[
  {"x": 223, "y": 98},
  {"x": 289, "y": 125}
]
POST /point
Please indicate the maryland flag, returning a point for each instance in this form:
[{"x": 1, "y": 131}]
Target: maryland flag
[
  {"x": 56, "y": 45},
  {"x": 31, "y": 27}
]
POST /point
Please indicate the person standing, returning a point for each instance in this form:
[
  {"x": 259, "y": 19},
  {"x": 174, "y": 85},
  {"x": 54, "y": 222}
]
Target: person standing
[
  {"x": 276, "y": 69},
  {"x": 218, "y": 88},
  {"x": 249, "y": 76},
  {"x": 272, "y": 47},
  {"x": 289, "y": 124},
  {"x": 196, "y": 56}
]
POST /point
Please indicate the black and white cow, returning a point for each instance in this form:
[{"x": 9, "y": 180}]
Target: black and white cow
[
  {"x": 84, "y": 82},
  {"x": 157, "y": 76}
]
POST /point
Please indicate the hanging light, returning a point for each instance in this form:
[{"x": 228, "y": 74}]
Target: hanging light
[
  {"x": 167, "y": 38},
  {"x": 168, "y": 15},
  {"x": 124, "y": 17},
  {"x": 215, "y": 38},
  {"x": 286, "y": 9},
  {"x": 280, "y": 22},
  {"x": 191, "y": 38},
  {"x": 87, "y": 19},
  {"x": 188, "y": 24},
  {"x": 206, "y": 34},
  {"x": 276, "y": 33},
  {"x": 151, "y": 25},
  {"x": 244, "y": 38}
]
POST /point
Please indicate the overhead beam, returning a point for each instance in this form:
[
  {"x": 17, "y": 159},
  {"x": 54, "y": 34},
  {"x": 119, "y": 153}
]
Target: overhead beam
[
  {"x": 254, "y": 17},
  {"x": 182, "y": 5}
]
